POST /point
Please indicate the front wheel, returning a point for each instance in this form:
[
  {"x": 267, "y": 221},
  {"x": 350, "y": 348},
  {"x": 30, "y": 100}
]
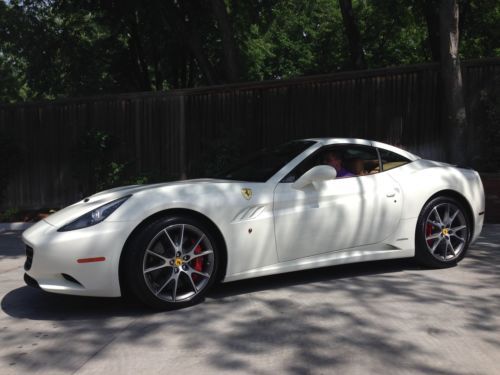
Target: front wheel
[
  {"x": 171, "y": 263},
  {"x": 443, "y": 233}
]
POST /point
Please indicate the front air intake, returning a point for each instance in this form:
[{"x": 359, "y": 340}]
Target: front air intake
[
  {"x": 71, "y": 279},
  {"x": 29, "y": 258},
  {"x": 31, "y": 281}
]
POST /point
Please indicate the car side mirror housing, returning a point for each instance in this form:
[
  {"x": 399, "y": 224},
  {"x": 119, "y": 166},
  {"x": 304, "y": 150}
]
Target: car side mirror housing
[{"x": 315, "y": 174}]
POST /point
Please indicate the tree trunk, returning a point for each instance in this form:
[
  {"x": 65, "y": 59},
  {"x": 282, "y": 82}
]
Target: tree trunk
[
  {"x": 430, "y": 9},
  {"x": 353, "y": 35},
  {"x": 192, "y": 38},
  {"x": 454, "y": 115},
  {"x": 196, "y": 48},
  {"x": 135, "y": 39},
  {"x": 229, "y": 47}
]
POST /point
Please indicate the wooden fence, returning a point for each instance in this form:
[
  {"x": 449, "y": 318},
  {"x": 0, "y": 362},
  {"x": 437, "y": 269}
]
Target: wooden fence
[{"x": 167, "y": 134}]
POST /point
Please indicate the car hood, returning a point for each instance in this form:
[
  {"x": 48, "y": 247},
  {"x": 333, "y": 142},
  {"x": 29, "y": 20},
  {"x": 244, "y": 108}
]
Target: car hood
[{"x": 70, "y": 213}]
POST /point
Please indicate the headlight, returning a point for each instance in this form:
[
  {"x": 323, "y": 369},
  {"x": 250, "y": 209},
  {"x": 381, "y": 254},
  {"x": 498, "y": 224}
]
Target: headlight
[{"x": 95, "y": 216}]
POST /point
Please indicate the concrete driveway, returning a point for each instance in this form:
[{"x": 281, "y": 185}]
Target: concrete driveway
[{"x": 387, "y": 317}]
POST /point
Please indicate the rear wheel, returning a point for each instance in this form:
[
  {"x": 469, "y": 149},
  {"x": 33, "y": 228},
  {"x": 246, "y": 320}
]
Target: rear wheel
[
  {"x": 443, "y": 233},
  {"x": 171, "y": 263}
]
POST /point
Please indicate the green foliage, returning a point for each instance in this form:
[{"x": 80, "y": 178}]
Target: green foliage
[
  {"x": 9, "y": 214},
  {"x": 480, "y": 28},
  {"x": 112, "y": 177},
  {"x": 95, "y": 157},
  {"x": 11, "y": 81},
  {"x": 58, "y": 48},
  {"x": 300, "y": 37},
  {"x": 218, "y": 154},
  {"x": 393, "y": 32}
]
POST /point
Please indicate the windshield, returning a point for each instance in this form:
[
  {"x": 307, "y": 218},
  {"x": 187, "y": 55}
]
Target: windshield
[{"x": 262, "y": 165}]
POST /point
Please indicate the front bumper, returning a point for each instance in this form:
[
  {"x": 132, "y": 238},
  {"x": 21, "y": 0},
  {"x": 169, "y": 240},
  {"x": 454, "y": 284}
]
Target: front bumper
[{"x": 55, "y": 265}]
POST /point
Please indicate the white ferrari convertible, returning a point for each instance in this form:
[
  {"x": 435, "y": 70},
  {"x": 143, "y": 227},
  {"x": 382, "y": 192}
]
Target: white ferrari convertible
[{"x": 305, "y": 204}]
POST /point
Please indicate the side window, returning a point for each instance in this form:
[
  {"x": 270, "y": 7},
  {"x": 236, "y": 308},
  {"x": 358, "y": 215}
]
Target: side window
[
  {"x": 348, "y": 160},
  {"x": 303, "y": 167},
  {"x": 361, "y": 160},
  {"x": 391, "y": 160}
]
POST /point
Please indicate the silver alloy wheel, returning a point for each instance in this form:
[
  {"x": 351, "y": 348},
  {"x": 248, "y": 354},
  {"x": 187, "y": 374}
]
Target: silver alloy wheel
[
  {"x": 446, "y": 232},
  {"x": 178, "y": 263}
]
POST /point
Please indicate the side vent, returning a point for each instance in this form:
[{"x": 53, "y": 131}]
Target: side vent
[{"x": 249, "y": 213}]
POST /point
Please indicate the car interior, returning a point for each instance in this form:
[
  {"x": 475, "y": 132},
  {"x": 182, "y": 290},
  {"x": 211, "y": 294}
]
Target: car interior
[{"x": 359, "y": 160}]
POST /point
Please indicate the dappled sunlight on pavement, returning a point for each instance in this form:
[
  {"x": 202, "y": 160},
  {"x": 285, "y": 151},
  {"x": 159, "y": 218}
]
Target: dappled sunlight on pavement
[{"x": 381, "y": 317}]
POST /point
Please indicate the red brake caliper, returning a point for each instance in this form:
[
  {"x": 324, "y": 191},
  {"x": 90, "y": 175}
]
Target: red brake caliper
[
  {"x": 197, "y": 263},
  {"x": 428, "y": 232}
]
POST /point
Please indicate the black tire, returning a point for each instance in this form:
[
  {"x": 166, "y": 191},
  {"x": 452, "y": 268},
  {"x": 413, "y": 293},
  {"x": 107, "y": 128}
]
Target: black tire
[
  {"x": 435, "y": 231},
  {"x": 152, "y": 261}
]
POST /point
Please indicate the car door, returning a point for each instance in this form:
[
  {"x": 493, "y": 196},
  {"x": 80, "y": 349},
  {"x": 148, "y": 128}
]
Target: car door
[{"x": 336, "y": 214}]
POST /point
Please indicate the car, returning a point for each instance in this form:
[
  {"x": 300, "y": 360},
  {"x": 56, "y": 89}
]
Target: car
[{"x": 304, "y": 204}]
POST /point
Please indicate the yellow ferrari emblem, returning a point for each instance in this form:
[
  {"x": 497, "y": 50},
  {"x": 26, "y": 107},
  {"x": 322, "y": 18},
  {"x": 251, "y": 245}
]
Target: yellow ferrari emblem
[
  {"x": 178, "y": 262},
  {"x": 445, "y": 232},
  {"x": 247, "y": 193}
]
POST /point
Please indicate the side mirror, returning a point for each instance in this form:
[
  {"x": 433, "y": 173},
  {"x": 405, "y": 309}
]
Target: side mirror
[{"x": 315, "y": 174}]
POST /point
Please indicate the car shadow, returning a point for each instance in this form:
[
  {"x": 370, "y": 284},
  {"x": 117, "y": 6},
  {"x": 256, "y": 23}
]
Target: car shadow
[
  {"x": 35, "y": 304},
  {"x": 312, "y": 276}
]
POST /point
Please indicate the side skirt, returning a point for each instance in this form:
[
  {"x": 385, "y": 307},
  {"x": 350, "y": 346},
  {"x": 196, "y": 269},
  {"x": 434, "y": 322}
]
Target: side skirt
[{"x": 323, "y": 260}]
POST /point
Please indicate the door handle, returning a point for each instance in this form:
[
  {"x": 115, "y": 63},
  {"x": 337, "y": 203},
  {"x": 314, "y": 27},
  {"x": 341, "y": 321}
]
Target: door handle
[{"x": 390, "y": 194}]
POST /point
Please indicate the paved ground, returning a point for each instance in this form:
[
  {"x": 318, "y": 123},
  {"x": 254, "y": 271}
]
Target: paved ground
[{"x": 384, "y": 318}]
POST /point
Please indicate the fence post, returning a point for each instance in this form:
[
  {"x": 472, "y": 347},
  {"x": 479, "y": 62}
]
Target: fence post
[{"x": 182, "y": 138}]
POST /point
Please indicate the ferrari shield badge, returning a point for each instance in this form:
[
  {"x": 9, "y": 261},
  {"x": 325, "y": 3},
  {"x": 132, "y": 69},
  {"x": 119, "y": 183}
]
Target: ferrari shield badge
[{"x": 247, "y": 193}]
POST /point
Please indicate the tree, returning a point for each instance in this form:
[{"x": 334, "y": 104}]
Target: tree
[
  {"x": 479, "y": 30},
  {"x": 394, "y": 32},
  {"x": 60, "y": 48},
  {"x": 353, "y": 35},
  {"x": 430, "y": 9},
  {"x": 190, "y": 23},
  {"x": 454, "y": 114},
  {"x": 230, "y": 50}
]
